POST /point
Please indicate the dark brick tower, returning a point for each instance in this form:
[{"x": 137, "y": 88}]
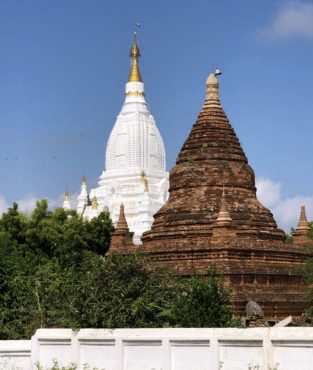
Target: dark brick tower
[{"x": 202, "y": 224}]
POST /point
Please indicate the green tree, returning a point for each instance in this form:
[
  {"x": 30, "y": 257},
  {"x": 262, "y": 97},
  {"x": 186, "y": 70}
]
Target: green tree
[
  {"x": 121, "y": 291},
  {"x": 17, "y": 313},
  {"x": 117, "y": 292},
  {"x": 40, "y": 256},
  {"x": 98, "y": 233},
  {"x": 202, "y": 301},
  {"x": 53, "y": 274},
  {"x": 308, "y": 276},
  {"x": 14, "y": 224}
]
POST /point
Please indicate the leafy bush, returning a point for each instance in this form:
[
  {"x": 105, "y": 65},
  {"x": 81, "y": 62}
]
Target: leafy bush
[
  {"x": 308, "y": 276},
  {"x": 202, "y": 301},
  {"x": 53, "y": 274}
]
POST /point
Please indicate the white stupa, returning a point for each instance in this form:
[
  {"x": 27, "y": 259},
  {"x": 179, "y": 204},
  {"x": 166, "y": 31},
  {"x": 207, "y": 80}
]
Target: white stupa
[
  {"x": 135, "y": 172},
  {"x": 66, "y": 203}
]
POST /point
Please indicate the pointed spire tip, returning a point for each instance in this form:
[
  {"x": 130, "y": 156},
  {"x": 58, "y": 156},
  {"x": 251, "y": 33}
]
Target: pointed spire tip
[
  {"x": 223, "y": 217},
  {"x": 134, "y": 75},
  {"x": 122, "y": 222},
  {"x": 212, "y": 90},
  {"x": 303, "y": 225}
]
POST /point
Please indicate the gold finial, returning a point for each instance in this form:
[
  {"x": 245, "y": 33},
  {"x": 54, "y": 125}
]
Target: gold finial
[
  {"x": 94, "y": 204},
  {"x": 144, "y": 180},
  {"x": 134, "y": 75},
  {"x": 84, "y": 180},
  {"x": 67, "y": 197}
]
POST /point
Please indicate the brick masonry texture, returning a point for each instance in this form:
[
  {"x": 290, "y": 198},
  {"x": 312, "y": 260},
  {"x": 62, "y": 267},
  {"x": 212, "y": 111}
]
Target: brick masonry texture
[{"x": 250, "y": 250}]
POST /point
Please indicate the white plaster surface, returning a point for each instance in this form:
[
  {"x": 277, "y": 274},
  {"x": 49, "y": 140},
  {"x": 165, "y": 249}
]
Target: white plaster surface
[
  {"x": 294, "y": 354},
  {"x": 147, "y": 354},
  {"x": 165, "y": 349},
  {"x": 51, "y": 344},
  {"x": 15, "y": 354},
  {"x": 229, "y": 350},
  {"x": 181, "y": 357},
  {"x": 135, "y": 172}
]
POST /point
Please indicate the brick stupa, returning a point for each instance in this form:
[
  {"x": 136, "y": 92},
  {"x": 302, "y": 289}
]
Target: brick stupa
[
  {"x": 301, "y": 234},
  {"x": 203, "y": 224},
  {"x": 121, "y": 238}
]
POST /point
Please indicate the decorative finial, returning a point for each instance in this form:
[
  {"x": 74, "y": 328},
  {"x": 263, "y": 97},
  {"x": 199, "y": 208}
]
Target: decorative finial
[
  {"x": 84, "y": 180},
  {"x": 212, "y": 92},
  {"x": 122, "y": 223},
  {"x": 66, "y": 203},
  {"x": 303, "y": 225},
  {"x": 134, "y": 75},
  {"x": 223, "y": 217},
  {"x": 94, "y": 204}
]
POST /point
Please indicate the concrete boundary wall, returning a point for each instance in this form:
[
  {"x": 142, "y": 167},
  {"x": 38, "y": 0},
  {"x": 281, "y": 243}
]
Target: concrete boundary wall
[
  {"x": 165, "y": 349},
  {"x": 15, "y": 354}
]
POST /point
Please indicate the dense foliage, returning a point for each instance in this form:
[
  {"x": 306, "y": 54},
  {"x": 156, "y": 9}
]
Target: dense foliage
[
  {"x": 53, "y": 274},
  {"x": 202, "y": 302},
  {"x": 308, "y": 274}
]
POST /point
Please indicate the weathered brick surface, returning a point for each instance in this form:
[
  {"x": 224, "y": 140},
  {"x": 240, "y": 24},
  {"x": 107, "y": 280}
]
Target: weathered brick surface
[
  {"x": 251, "y": 252},
  {"x": 301, "y": 233},
  {"x": 121, "y": 238},
  {"x": 254, "y": 270},
  {"x": 210, "y": 158},
  {"x": 248, "y": 248}
]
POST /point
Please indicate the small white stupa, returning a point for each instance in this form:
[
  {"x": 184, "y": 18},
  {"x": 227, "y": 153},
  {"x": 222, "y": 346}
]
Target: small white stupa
[
  {"x": 66, "y": 203},
  {"x": 135, "y": 172}
]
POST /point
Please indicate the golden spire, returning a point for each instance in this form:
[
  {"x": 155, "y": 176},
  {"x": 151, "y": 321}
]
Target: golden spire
[
  {"x": 94, "y": 204},
  {"x": 84, "y": 180},
  {"x": 67, "y": 197},
  {"x": 134, "y": 75}
]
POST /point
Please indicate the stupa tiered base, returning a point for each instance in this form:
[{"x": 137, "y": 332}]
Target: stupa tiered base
[
  {"x": 258, "y": 270},
  {"x": 213, "y": 216}
]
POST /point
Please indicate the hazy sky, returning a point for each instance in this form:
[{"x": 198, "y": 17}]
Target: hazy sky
[{"x": 64, "y": 63}]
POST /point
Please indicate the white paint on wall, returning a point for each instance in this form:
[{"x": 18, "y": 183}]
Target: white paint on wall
[{"x": 164, "y": 349}]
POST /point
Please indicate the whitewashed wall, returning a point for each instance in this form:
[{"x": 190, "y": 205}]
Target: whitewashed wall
[
  {"x": 15, "y": 354},
  {"x": 166, "y": 349}
]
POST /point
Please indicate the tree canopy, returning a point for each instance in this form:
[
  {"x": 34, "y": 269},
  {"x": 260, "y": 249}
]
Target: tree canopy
[
  {"x": 53, "y": 273},
  {"x": 308, "y": 275}
]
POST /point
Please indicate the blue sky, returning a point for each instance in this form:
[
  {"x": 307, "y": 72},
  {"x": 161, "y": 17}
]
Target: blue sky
[{"x": 64, "y": 63}]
